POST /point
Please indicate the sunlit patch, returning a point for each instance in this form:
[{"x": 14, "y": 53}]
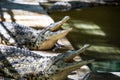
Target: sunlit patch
[
  {"x": 65, "y": 26},
  {"x": 89, "y": 28},
  {"x": 104, "y": 49},
  {"x": 94, "y": 32},
  {"x": 106, "y": 66}
]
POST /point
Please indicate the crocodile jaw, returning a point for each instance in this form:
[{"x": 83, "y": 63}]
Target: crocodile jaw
[
  {"x": 64, "y": 72},
  {"x": 57, "y": 25},
  {"x": 64, "y": 67},
  {"x": 51, "y": 38}
]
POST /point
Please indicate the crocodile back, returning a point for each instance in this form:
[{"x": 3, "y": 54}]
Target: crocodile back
[
  {"x": 16, "y": 61},
  {"x": 13, "y": 33}
]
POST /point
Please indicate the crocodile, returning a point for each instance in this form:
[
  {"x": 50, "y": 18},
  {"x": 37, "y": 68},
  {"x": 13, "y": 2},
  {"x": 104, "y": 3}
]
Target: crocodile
[
  {"x": 15, "y": 34},
  {"x": 53, "y": 6},
  {"x": 24, "y": 64}
]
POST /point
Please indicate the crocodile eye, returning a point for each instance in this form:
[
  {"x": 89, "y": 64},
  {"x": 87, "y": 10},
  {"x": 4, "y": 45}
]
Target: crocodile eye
[
  {"x": 71, "y": 50},
  {"x": 51, "y": 70},
  {"x": 59, "y": 66},
  {"x": 33, "y": 36},
  {"x": 51, "y": 23}
]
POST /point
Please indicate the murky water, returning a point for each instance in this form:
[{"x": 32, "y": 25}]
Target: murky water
[{"x": 100, "y": 27}]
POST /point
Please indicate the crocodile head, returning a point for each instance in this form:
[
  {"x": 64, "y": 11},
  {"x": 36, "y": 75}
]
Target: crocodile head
[
  {"x": 62, "y": 66},
  {"x": 57, "y": 25},
  {"x": 47, "y": 39}
]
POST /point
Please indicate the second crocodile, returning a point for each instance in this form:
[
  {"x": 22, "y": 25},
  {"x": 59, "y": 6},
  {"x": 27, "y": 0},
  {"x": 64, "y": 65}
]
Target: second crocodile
[{"x": 23, "y": 64}]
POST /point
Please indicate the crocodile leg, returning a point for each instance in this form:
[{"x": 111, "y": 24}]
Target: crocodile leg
[
  {"x": 57, "y": 46},
  {"x": 64, "y": 72}
]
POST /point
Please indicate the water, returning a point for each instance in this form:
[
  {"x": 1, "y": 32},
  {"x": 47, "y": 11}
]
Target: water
[{"x": 100, "y": 27}]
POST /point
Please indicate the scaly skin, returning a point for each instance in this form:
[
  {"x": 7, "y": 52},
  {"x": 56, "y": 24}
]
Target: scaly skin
[
  {"x": 16, "y": 34},
  {"x": 23, "y": 64}
]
